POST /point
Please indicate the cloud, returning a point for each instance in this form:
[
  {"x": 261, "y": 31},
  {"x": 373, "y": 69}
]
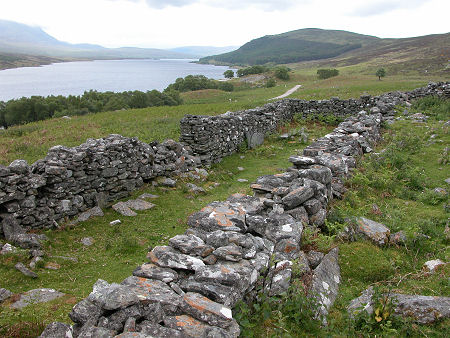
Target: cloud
[
  {"x": 266, "y": 5},
  {"x": 381, "y": 7}
]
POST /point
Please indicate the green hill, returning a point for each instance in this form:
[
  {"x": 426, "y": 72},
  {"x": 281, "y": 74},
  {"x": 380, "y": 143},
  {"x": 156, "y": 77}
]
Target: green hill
[{"x": 295, "y": 46}]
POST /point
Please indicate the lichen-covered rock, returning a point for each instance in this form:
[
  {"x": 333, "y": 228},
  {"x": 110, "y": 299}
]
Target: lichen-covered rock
[
  {"x": 207, "y": 310},
  {"x": 376, "y": 232},
  {"x": 191, "y": 245},
  {"x": 297, "y": 197},
  {"x": 35, "y": 296},
  {"x": 154, "y": 291},
  {"x": 57, "y": 330},
  {"x": 85, "y": 310},
  {"x": 325, "y": 283}
]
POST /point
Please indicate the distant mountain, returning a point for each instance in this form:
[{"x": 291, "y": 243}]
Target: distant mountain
[
  {"x": 299, "y": 45},
  {"x": 17, "y": 38},
  {"x": 202, "y": 51}
]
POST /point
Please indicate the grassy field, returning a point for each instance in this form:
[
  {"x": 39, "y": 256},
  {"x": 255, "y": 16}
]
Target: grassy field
[
  {"x": 118, "y": 250},
  {"x": 31, "y": 141}
]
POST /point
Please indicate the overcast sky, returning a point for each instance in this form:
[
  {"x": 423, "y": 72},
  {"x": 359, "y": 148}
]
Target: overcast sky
[{"x": 172, "y": 23}]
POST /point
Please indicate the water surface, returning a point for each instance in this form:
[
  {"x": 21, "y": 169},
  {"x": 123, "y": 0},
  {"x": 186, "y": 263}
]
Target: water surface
[{"x": 73, "y": 78}]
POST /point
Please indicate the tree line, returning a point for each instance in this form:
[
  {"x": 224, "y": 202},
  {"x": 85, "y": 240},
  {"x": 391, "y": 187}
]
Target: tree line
[{"x": 36, "y": 108}]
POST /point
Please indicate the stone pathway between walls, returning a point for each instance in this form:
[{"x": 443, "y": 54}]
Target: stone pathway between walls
[{"x": 188, "y": 288}]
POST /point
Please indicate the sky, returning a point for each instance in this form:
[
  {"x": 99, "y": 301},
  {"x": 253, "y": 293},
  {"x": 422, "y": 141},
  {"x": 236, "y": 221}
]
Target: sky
[{"x": 175, "y": 23}]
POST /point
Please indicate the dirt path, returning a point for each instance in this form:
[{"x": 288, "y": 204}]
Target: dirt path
[{"x": 289, "y": 92}]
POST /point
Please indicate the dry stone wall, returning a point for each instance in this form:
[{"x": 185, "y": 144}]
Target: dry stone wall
[
  {"x": 214, "y": 137},
  {"x": 189, "y": 287},
  {"x": 68, "y": 181}
]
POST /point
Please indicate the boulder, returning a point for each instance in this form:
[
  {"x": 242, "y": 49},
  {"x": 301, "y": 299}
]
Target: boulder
[{"x": 374, "y": 231}]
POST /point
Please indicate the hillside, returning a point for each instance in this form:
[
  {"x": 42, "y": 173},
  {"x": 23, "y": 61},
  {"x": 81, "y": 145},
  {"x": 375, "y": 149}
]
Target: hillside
[
  {"x": 300, "y": 45},
  {"x": 16, "y": 38},
  {"x": 424, "y": 54},
  {"x": 202, "y": 51},
  {"x": 22, "y": 60}
]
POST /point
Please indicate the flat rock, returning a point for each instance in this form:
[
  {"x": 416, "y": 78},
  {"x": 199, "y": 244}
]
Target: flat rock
[
  {"x": 302, "y": 161},
  {"x": 325, "y": 283},
  {"x": 36, "y": 296},
  {"x": 168, "y": 182},
  {"x": 152, "y": 271},
  {"x": 93, "y": 212},
  {"x": 206, "y": 310},
  {"x": 376, "y": 232},
  {"x": 227, "y": 295},
  {"x": 139, "y": 204},
  {"x": 154, "y": 291},
  {"x": 123, "y": 209},
  {"x": 166, "y": 257},
  {"x": 24, "y": 270},
  {"x": 119, "y": 297}
]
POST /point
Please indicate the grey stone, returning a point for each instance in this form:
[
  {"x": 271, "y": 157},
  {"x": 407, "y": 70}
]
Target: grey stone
[
  {"x": 24, "y": 270},
  {"x": 95, "y": 211},
  {"x": 230, "y": 252},
  {"x": 279, "y": 278},
  {"x": 115, "y": 222},
  {"x": 302, "y": 161},
  {"x": 433, "y": 265},
  {"x": 57, "y": 330},
  {"x": 166, "y": 257},
  {"x": 139, "y": 204},
  {"x": 11, "y": 228},
  {"x": 152, "y": 271},
  {"x": 314, "y": 258},
  {"x": 148, "y": 329},
  {"x": 4, "y": 294},
  {"x": 123, "y": 209},
  {"x": 376, "y": 232},
  {"x": 191, "y": 244},
  {"x": 85, "y": 310},
  {"x": 191, "y": 327},
  {"x": 207, "y": 310},
  {"x": 254, "y": 139},
  {"x": 325, "y": 283},
  {"x": 87, "y": 241},
  {"x": 151, "y": 291},
  {"x": 297, "y": 197},
  {"x": 8, "y": 249},
  {"x": 168, "y": 182},
  {"x": 36, "y": 296},
  {"x": 421, "y": 309},
  {"x": 119, "y": 297}
]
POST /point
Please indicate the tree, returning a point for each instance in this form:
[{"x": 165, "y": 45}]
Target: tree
[
  {"x": 229, "y": 74},
  {"x": 282, "y": 72},
  {"x": 380, "y": 73}
]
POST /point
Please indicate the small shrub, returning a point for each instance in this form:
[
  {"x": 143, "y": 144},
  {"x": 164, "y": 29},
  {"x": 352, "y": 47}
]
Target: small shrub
[
  {"x": 271, "y": 83},
  {"x": 327, "y": 73},
  {"x": 282, "y": 72}
]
